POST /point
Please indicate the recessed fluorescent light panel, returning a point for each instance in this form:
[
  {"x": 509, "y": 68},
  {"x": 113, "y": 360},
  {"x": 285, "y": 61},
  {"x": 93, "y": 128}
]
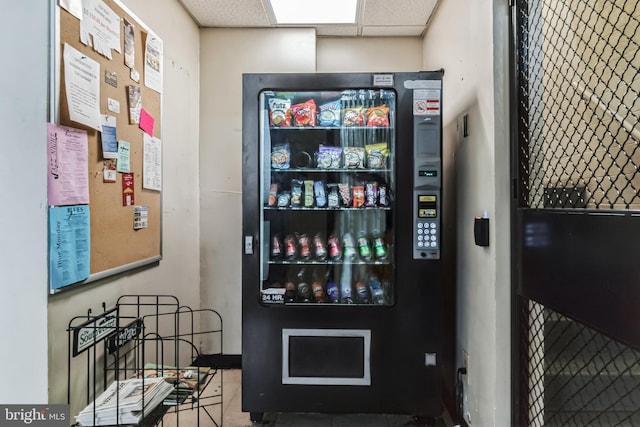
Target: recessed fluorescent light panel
[{"x": 315, "y": 11}]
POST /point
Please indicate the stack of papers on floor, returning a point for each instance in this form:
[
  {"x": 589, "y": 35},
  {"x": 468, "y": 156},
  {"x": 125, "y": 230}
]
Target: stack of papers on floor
[
  {"x": 125, "y": 402},
  {"x": 186, "y": 380}
]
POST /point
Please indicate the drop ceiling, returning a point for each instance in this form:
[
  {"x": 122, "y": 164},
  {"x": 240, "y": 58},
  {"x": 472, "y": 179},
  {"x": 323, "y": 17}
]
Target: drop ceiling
[{"x": 376, "y": 18}]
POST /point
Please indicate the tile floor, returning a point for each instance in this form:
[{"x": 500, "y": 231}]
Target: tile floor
[{"x": 232, "y": 415}]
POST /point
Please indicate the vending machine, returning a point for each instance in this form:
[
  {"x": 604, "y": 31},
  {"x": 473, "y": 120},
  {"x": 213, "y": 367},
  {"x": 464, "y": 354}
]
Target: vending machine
[{"x": 342, "y": 243}]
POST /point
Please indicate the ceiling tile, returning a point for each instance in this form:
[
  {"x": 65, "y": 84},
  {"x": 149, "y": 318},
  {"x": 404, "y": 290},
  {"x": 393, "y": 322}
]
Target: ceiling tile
[
  {"x": 398, "y": 12},
  {"x": 225, "y": 13},
  {"x": 390, "y": 31},
  {"x": 377, "y": 18},
  {"x": 335, "y": 30}
]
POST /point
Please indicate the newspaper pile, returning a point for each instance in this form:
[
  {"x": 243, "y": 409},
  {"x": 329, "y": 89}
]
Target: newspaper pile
[{"x": 125, "y": 402}]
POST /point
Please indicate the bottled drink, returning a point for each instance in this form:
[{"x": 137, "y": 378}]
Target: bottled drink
[
  {"x": 290, "y": 292},
  {"x": 363, "y": 247},
  {"x": 377, "y": 292},
  {"x": 362, "y": 292},
  {"x": 291, "y": 249},
  {"x": 333, "y": 292},
  {"x": 379, "y": 248},
  {"x": 348, "y": 247},
  {"x": 304, "y": 290},
  {"x": 335, "y": 253},
  {"x": 321, "y": 250},
  {"x": 346, "y": 294},
  {"x": 276, "y": 247},
  {"x": 318, "y": 291},
  {"x": 305, "y": 249}
]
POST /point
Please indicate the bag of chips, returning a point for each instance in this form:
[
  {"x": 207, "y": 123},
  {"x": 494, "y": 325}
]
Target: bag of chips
[
  {"x": 354, "y": 157},
  {"x": 280, "y": 156},
  {"x": 329, "y": 114},
  {"x": 273, "y": 194},
  {"x": 358, "y": 196},
  {"x": 308, "y": 193},
  {"x": 377, "y": 155},
  {"x": 321, "y": 196},
  {"x": 329, "y": 157},
  {"x": 279, "y": 112},
  {"x": 304, "y": 114},
  {"x": 378, "y": 116},
  {"x": 353, "y": 116}
]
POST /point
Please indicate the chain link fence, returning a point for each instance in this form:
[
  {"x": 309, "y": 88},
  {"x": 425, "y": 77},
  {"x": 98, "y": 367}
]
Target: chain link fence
[
  {"x": 578, "y": 84},
  {"x": 575, "y": 375}
]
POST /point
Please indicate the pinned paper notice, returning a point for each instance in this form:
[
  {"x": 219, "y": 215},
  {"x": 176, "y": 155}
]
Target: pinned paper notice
[
  {"x": 128, "y": 198},
  {"x": 124, "y": 150},
  {"x": 146, "y": 122},
  {"x": 74, "y": 7},
  {"x": 109, "y": 138},
  {"x": 82, "y": 87},
  {"x": 100, "y": 27}
]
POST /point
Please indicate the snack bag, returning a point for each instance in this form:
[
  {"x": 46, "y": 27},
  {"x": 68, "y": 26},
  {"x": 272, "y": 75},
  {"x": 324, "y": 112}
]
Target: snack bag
[
  {"x": 280, "y": 112},
  {"x": 329, "y": 157},
  {"x": 333, "y": 198},
  {"x": 371, "y": 194},
  {"x": 308, "y": 193},
  {"x": 320, "y": 193},
  {"x": 358, "y": 196},
  {"x": 284, "y": 199},
  {"x": 377, "y": 155},
  {"x": 273, "y": 194},
  {"x": 354, "y": 157},
  {"x": 378, "y": 116},
  {"x": 353, "y": 116},
  {"x": 280, "y": 156},
  {"x": 383, "y": 195},
  {"x": 345, "y": 194},
  {"x": 296, "y": 192},
  {"x": 304, "y": 114},
  {"x": 330, "y": 114}
]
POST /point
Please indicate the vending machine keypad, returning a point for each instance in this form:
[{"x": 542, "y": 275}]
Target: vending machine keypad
[{"x": 427, "y": 168}]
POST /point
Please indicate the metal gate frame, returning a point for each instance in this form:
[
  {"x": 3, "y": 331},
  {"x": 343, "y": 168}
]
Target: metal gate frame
[{"x": 575, "y": 108}]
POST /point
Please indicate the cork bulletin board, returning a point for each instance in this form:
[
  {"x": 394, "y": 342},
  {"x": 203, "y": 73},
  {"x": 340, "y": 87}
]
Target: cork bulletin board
[{"x": 115, "y": 244}]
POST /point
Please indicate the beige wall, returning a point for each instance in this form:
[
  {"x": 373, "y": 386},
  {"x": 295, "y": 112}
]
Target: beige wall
[
  {"x": 469, "y": 40},
  {"x": 342, "y": 55},
  {"x": 178, "y": 272},
  {"x": 225, "y": 55}
]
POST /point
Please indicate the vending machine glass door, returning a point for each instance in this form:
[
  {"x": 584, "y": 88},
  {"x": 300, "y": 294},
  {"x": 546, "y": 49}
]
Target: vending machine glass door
[{"x": 327, "y": 186}]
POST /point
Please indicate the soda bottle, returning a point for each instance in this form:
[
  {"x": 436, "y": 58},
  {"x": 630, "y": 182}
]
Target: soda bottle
[
  {"x": 321, "y": 250},
  {"x": 333, "y": 292},
  {"x": 276, "y": 247},
  {"x": 348, "y": 247},
  {"x": 377, "y": 292},
  {"x": 363, "y": 247},
  {"x": 291, "y": 249},
  {"x": 345, "y": 291},
  {"x": 318, "y": 291},
  {"x": 335, "y": 253},
  {"x": 304, "y": 290},
  {"x": 379, "y": 248},
  {"x": 290, "y": 292},
  {"x": 345, "y": 287},
  {"x": 362, "y": 292},
  {"x": 305, "y": 249}
]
